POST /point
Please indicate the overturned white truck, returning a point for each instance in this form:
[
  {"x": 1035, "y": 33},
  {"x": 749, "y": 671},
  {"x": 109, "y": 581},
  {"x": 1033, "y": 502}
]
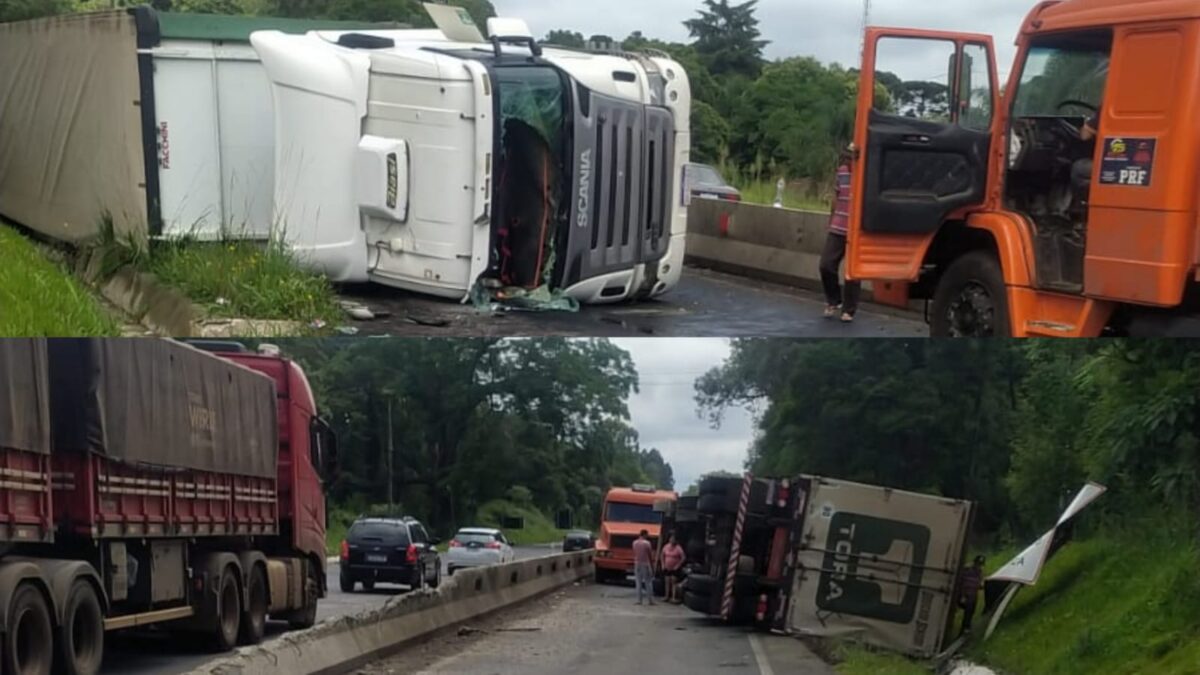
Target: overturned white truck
[{"x": 432, "y": 160}]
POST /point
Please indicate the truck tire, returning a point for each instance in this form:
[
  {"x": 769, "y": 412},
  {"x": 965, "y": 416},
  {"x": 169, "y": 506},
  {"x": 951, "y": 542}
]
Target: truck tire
[
  {"x": 700, "y": 584},
  {"x": 306, "y": 616},
  {"x": 254, "y": 618},
  {"x": 971, "y": 299},
  {"x": 716, "y": 504},
  {"x": 700, "y": 603},
  {"x": 80, "y": 639},
  {"x": 229, "y": 611},
  {"x": 29, "y": 642}
]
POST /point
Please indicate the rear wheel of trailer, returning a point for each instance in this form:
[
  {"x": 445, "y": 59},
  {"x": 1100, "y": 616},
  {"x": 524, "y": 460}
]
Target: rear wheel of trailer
[
  {"x": 79, "y": 643},
  {"x": 28, "y": 637}
]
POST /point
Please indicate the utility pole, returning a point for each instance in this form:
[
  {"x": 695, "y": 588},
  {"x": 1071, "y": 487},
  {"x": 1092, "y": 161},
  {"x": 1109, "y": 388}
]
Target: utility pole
[{"x": 390, "y": 453}]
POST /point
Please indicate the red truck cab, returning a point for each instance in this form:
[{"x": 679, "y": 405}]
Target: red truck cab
[
  {"x": 306, "y": 449},
  {"x": 626, "y": 512}
]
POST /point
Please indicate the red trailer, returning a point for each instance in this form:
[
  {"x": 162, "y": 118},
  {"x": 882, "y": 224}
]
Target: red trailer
[{"x": 147, "y": 481}]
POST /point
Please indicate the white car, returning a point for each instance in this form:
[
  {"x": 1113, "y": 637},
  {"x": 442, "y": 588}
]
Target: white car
[{"x": 476, "y": 547}]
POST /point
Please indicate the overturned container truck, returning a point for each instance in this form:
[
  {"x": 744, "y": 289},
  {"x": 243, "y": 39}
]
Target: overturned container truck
[
  {"x": 821, "y": 557},
  {"x": 434, "y": 160},
  {"x": 148, "y": 482},
  {"x": 431, "y": 160}
]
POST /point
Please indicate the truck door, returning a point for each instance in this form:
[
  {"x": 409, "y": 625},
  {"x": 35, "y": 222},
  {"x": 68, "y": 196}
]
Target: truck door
[{"x": 923, "y": 134}]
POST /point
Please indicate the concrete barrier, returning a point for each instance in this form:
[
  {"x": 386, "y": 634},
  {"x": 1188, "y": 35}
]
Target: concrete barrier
[
  {"x": 779, "y": 245},
  {"x": 345, "y": 643}
]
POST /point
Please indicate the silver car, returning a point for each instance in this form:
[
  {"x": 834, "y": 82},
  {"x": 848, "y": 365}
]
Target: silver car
[{"x": 476, "y": 547}]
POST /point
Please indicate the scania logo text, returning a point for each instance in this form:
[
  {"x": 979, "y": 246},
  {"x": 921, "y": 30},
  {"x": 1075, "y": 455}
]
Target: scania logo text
[{"x": 585, "y": 186}]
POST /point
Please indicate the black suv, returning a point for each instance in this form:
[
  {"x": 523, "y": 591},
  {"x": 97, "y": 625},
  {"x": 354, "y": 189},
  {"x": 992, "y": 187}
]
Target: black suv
[{"x": 389, "y": 550}]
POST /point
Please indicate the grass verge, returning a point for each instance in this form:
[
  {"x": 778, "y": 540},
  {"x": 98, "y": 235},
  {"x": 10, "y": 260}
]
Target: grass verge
[
  {"x": 39, "y": 298},
  {"x": 763, "y": 192},
  {"x": 538, "y": 528},
  {"x": 243, "y": 279},
  {"x": 1124, "y": 601}
]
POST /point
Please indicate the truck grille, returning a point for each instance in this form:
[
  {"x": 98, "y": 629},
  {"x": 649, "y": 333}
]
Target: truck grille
[
  {"x": 626, "y": 541},
  {"x": 627, "y": 184}
]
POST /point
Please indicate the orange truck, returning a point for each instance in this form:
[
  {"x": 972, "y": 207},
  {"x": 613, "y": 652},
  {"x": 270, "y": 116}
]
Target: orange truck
[
  {"x": 1063, "y": 204},
  {"x": 626, "y": 512}
]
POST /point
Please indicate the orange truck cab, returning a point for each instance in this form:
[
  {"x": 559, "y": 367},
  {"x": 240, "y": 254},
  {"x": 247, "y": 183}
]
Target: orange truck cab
[
  {"x": 626, "y": 512},
  {"x": 1064, "y": 203}
]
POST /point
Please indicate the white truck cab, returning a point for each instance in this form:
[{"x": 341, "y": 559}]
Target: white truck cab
[{"x": 433, "y": 160}]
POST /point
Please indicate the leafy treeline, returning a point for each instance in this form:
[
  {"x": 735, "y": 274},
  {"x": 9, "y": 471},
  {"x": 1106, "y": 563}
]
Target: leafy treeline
[
  {"x": 756, "y": 118},
  {"x": 536, "y": 422},
  {"x": 401, "y": 11},
  {"x": 1016, "y": 427}
]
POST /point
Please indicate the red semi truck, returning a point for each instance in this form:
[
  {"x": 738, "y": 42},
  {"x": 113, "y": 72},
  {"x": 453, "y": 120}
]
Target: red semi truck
[{"x": 147, "y": 481}]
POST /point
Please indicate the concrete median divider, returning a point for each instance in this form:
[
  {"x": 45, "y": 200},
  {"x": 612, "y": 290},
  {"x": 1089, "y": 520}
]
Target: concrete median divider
[
  {"x": 347, "y": 642},
  {"x": 762, "y": 242}
]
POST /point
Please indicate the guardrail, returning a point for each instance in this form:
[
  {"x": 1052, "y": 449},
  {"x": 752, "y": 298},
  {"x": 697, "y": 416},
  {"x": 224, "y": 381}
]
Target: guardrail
[
  {"x": 779, "y": 245},
  {"x": 345, "y": 643}
]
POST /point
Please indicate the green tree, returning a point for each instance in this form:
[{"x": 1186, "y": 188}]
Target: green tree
[
  {"x": 19, "y": 10},
  {"x": 566, "y": 38},
  {"x": 727, "y": 37}
]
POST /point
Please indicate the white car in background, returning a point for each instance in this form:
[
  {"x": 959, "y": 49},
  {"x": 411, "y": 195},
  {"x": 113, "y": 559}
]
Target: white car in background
[{"x": 477, "y": 547}]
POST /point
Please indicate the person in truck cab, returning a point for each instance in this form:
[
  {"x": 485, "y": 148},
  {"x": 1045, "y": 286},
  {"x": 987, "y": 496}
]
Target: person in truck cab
[{"x": 643, "y": 567}]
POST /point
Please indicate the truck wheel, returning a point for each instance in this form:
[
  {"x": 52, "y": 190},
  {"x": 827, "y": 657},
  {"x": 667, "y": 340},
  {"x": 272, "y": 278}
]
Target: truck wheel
[
  {"x": 715, "y": 503},
  {"x": 80, "y": 639},
  {"x": 700, "y": 584},
  {"x": 229, "y": 612},
  {"x": 307, "y": 615},
  {"x": 971, "y": 299},
  {"x": 29, "y": 642},
  {"x": 254, "y": 619}
]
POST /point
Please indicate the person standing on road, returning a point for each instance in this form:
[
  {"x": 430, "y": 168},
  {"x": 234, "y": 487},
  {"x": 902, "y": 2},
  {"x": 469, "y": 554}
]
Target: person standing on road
[
  {"x": 969, "y": 582},
  {"x": 835, "y": 247},
  {"x": 643, "y": 567},
  {"x": 672, "y": 563}
]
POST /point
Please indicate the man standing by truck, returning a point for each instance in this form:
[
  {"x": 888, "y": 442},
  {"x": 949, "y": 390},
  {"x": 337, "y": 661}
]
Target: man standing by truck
[
  {"x": 835, "y": 247},
  {"x": 643, "y": 567},
  {"x": 969, "y": 582}
]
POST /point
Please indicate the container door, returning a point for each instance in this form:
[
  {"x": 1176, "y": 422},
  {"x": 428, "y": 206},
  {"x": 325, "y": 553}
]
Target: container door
[{"x": 923, "y": 134}]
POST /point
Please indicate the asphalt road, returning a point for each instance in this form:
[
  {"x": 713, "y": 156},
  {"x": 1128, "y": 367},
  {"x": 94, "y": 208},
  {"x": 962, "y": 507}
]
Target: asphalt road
[
  {"x": 705, "y": 304},
  {"x": 601, "y": 630},
  {"x": 152, "y": 652}
]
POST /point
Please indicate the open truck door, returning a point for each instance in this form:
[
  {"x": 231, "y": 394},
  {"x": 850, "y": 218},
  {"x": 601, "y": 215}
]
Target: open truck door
[{"x": 926, "y": 102}]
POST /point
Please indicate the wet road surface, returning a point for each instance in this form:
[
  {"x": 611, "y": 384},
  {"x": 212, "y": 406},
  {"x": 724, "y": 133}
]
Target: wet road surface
[
  {"x": 154, "y": 652},
  {"x": 705, "y": 304},
  {"x": 600, "y": 630}
]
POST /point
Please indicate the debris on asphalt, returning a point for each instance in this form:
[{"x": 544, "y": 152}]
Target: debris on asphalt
[
  {"x": 464, "y": 631},
  {"x": 519, "y": 629},
  {"x": 346, "y": 330},
  {"x": 357, "y": 310}
]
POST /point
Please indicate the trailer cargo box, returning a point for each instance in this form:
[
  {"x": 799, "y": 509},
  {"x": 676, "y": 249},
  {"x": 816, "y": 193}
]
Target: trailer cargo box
[
  {"x": 163, "y": 121},
  {"x": 877, "y": 564},
  {"x": 25, "y": 441}
]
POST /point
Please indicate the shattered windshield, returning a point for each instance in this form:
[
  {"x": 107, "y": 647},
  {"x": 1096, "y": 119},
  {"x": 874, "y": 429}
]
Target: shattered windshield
[{"x": 533, "y": 95}]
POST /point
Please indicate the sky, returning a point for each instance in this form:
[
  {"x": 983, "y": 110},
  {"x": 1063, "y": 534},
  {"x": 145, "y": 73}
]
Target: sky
[
  {"x": 664, "y": 411},
  {"x": 830, "y": 30}
]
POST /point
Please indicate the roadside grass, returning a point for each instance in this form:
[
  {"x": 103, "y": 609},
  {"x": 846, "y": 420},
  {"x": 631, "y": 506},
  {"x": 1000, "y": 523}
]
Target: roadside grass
[
  {"x": 40, "y": 298},
  {"x": 234, "y": 278},
  {"x": 538, "y": 528},
  {"x": 1126, "y": 600},
  {"x": 763, "y": 192}
]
